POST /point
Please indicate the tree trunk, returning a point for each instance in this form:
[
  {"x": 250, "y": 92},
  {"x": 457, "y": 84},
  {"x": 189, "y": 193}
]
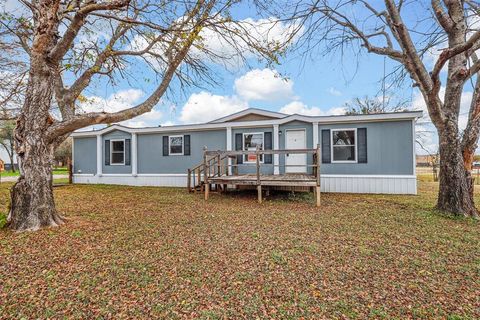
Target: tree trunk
[
  {"x": 456, "y": 184},
  {"x": 32, "y": 203},
  {"x": 12, "y": 163}
]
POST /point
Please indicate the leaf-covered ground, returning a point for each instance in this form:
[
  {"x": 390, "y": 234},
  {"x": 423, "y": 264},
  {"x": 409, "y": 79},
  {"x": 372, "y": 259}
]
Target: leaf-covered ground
[{"x": 131, "y": 252}]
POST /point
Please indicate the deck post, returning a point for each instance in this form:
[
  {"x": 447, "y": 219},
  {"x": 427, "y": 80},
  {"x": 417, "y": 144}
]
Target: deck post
[
  {"x": 259, "y": 191},
  {"x": 205, "y": 173},
  {"x": 199, "y": 178},
  {"x": 317, "y": 187},
  {"x": 259, "y": 185},
  {"x": 189, "y": 181}
]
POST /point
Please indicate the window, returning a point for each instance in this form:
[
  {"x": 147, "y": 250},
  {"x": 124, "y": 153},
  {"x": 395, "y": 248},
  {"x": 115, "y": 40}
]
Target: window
[
  {"x": 344, "y": 145},
  {"x": 250, "y": 143},
  {"x": 117, "y": 155},
  {"x": 176, "y": 145}
]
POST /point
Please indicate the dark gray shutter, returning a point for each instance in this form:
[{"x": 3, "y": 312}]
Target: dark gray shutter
[
  {"x": 127, "y": 152},
  {"x": 238, "y": 146},
  {"x": 326, "y": 152},
  {"x": 107, "y": 152},
  {"x": 268, "y": 146},
  {"x": 165, "y": 145},
  {"x": 362, "y": 145},
  {"x": 186, "y": 144}
]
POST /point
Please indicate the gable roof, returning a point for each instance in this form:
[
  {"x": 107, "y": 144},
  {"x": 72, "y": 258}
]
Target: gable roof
[{"x": 263, "y": 115}]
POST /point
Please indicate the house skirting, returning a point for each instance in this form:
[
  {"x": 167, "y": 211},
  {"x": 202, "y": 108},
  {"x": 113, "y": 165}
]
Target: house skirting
[
  {"x": 154, "y": 180},
  {"x": 381, "y": 184},
  {"x": 369, "y": 184}
]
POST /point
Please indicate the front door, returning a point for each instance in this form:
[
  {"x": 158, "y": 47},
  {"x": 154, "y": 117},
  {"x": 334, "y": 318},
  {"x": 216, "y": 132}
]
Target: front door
[{"x": 296, "y": 163}]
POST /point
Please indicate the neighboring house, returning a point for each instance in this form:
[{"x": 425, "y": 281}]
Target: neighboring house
[
  {"x": 360, "y": 153},
  {"x": 6, "y": 159}
]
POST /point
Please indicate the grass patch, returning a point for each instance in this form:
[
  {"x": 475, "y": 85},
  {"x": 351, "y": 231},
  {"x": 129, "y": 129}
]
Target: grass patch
[
  {"x": 55, "y": 171},
  {"x": 3, "y": 220},
  {"x": 144, "y": 252}
]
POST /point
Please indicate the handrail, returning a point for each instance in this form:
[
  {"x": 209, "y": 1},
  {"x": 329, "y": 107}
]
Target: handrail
[
  {"x": 197, "y": 167},
  {"x": 220, "y": 159},
  {"x": 277, "y": 151}
]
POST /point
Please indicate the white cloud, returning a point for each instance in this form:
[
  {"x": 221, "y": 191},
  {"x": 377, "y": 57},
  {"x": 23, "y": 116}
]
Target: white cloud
[
  {"x": 115, "y": 102},
  {"x": 257, "y": 84},
  {"x": 334, "y": 92},
  {"x": 426, "y": 128},
  {"x": 168, "y": 123},
  {"x": 418, "y": 103},
  {"x": 204, "y": 107},
  {"x": 298, "y": 107},
  {"x": 122, "y": 100},
  {"x": 264, "y": 85},
  {"x": 231, "y": 48},
  {"x": 151, "y": 118}
]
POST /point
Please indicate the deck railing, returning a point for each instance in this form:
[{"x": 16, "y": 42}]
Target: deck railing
[{"x": 220, "y": 162}]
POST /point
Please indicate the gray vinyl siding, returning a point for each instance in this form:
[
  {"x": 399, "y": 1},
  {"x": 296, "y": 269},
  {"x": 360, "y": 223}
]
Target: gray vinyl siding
[
  {"x": 115, "y": 169},
  {"x": 85, "y": 155},
  {"x": 251, "y": 167},
  {"x": 389, "y": 149},
  {"x": 150, "y": 151},
  {"x": 309, "y": 137}
]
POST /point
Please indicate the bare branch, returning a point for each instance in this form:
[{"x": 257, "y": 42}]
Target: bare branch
[
  {"x": 78, "y": 21},
  {"x": 443, "y": 18}
]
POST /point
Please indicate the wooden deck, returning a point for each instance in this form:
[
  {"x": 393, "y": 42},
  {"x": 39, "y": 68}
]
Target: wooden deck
[
  {"x": 293, "y": 179},
  {"x": 220, "y": 169}
]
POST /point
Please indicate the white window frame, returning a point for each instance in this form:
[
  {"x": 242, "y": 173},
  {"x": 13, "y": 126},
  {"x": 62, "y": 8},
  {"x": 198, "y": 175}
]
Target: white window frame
[
  {"x": 245, "y": 156},
  {"x": 355, "y": 146},
  {"x": 170, "y": 145},
  {"x": 111, "y": 152}
]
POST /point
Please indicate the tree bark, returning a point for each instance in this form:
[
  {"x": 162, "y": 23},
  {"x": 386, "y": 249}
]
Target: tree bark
[
  {"x": 32, "y": 203},
  {"x": 455, "y": 194}
]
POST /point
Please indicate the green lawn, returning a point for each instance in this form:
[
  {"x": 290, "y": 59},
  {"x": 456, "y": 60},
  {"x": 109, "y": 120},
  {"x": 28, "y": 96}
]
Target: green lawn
[
  {"x": 59, "y": 170},
  {"x": 130, "y": 252}
]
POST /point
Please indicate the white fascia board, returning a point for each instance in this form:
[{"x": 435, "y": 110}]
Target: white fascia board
[
  {"x": 248, "y": 111},
  {"x": 357, "y": 118},
  {"x": 261, "y": 123}
]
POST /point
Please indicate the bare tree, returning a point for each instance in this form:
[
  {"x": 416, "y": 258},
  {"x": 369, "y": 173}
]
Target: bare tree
[
  {"x": 7, "y": 141},
  {"x": 63, "y": 152},
  {"x": 446, "y": 26},
  {"x": 168, "y": 37},
  {"x": 13, "y": 72},
  {"x": 367, "y": 105}
]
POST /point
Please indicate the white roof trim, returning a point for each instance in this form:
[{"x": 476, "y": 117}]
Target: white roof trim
[
  {"x": 261, "y": 123},
  {"x": 248, "y": 111}
]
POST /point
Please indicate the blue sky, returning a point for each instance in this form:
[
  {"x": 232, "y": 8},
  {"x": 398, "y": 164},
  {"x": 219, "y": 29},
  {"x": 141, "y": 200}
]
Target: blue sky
[
  {"x": 321, "y": 84},
  {"x": 315, "y": 85}
]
